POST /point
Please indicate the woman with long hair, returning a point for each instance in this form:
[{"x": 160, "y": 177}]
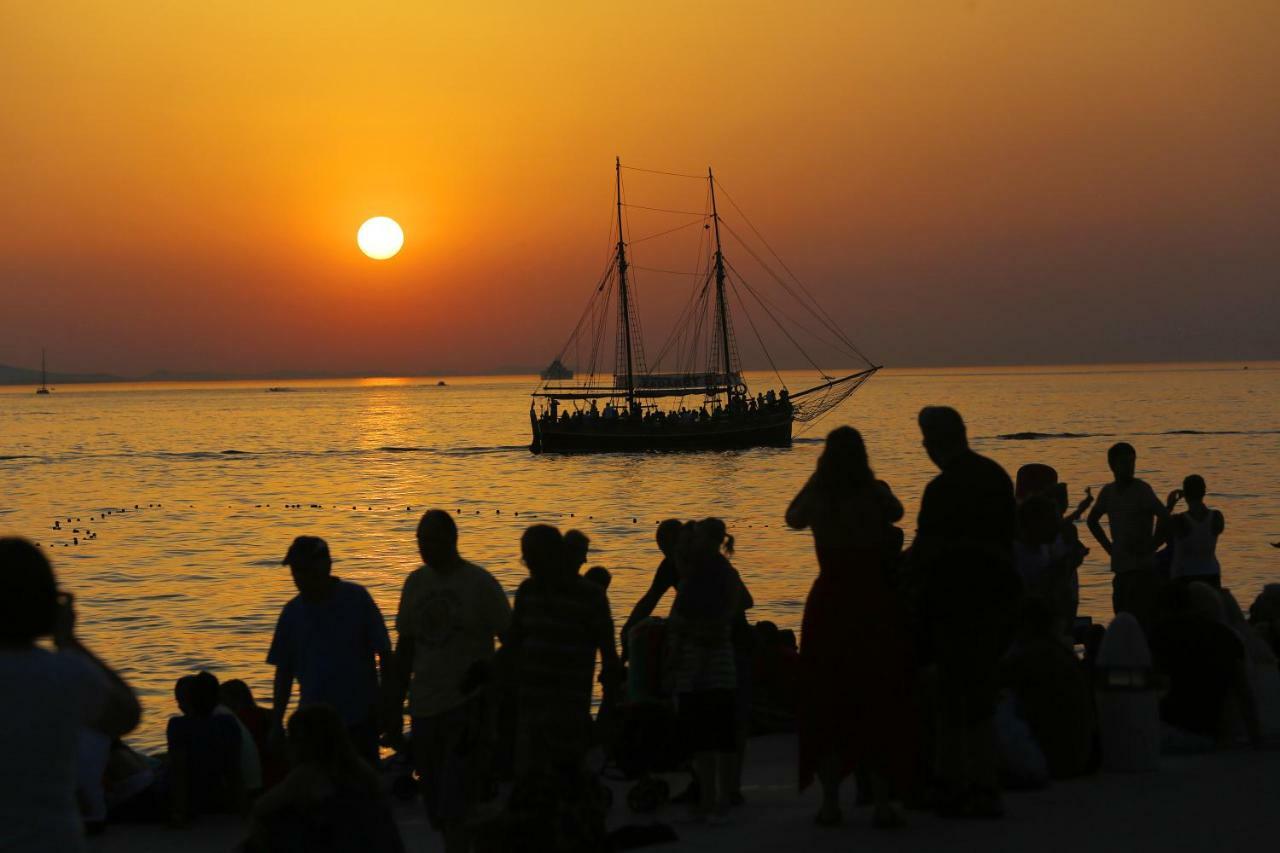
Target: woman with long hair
[{"x": 856, "y": 705}]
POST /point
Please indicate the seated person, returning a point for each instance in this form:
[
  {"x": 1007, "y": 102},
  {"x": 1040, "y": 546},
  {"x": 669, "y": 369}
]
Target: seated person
[
  {"x": 598, "y": 575},
  {"x": 204, "y": 752},
  {"x": 329, "y": 801},
  {"x": 236, "y": 696},
  {"x": 1204, "y": 661},
  {"x": 775, "y": 680},
  {"x": 1052, "y": 691}
]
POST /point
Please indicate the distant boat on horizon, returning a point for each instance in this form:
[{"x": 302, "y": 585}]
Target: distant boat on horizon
[
  {"x": 556, "y": 370},
  {"x": 44, "y": 385}
]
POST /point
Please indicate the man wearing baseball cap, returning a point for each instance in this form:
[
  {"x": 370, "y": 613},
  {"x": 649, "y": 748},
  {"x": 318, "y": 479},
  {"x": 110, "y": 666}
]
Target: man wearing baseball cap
[{"x": 332, "y": 639}]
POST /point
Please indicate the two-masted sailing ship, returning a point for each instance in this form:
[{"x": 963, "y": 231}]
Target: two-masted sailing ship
[{"x": 621, "y": 404}]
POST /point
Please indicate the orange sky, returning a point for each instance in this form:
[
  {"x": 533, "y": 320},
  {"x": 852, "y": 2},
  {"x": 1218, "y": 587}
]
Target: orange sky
[{"x": 180, "y": 183}]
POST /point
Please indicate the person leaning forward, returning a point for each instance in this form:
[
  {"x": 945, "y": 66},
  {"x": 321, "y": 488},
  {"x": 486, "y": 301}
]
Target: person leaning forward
[{"x": 332, "y": 639}]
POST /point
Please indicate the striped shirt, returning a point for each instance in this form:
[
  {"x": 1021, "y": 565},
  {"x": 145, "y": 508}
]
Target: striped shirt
[{"x": 557, "y": 626}]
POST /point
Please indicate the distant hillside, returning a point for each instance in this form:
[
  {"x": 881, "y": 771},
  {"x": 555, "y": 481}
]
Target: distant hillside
[{"x": 26, "y": 376}]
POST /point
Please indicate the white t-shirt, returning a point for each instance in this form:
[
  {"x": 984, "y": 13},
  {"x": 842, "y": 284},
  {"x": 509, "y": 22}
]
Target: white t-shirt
[
  {"x": 452, "y": 618},
  {"x": 250, "y": 761},
  {"x": 48, "y": 697}
]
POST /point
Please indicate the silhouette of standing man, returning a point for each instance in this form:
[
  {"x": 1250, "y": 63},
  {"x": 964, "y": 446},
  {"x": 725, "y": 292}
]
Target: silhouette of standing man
[
  {"x": 328, "y": 638},
  {"x": 967, "y": 589},
  {"x": 451, "y": 611},
  {"x": 1137, "y": 520}
]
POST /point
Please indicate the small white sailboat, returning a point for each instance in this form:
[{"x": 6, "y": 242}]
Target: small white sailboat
[{"x": 44, "y": 385}]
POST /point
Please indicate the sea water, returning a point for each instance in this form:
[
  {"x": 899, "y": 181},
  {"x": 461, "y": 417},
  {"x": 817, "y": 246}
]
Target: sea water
[{"x": 176, "y": 503}]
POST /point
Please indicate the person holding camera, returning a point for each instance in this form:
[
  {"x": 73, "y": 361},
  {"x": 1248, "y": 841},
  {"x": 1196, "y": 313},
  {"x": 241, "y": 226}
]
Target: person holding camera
[{"x": 49, "y": 697}]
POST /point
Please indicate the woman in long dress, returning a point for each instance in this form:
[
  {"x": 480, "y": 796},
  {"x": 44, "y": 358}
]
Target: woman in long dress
[{"x": 857, "y": 710}]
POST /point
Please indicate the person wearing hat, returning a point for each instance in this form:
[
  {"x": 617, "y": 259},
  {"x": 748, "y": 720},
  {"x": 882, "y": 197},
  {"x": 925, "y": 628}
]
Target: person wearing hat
[{"x": 330, "y": 638}]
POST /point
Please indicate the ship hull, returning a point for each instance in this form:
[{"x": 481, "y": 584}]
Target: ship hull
[{"x": 738, "y": 433}]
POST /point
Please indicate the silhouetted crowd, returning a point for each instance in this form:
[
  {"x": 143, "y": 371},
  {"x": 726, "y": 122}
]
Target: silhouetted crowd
[
  {"x": 936, "y": 675},
  {"x": 736, "y": 407}
]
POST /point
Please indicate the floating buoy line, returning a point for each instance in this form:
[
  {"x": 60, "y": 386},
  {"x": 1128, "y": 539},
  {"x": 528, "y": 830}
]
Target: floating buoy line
[{"x": 73, "y": 531}]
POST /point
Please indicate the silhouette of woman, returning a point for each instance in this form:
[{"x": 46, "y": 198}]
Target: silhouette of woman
[{"x": 856, "y": 706}]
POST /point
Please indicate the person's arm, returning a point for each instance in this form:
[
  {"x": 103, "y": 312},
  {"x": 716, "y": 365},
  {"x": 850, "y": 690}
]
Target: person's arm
[
  {"x": 1164, "y": 518},
  {"x": 120, "y": 711},
  {"x": 281, "y": 690},
  {"x": 889, "y": 503},
  {"x": 1082, "y": 506},
  {"x": 179, "y": 785},
  {"x": 1095, "y": 519},
  {"x": 800, "y": 512},
  {"x": 610, "y": 666},
  {"x": 237, "y": 790},
  {"x": 178, "y": 771},
  {"x": 500, "y": 612},
  {"x": 645, "y": 606},
  {"x": 280, "y": 655},
  {"x": 1219, "y": 523},
  {"x": 396, "y": 672},
  {"x": 745, "y": 599}
]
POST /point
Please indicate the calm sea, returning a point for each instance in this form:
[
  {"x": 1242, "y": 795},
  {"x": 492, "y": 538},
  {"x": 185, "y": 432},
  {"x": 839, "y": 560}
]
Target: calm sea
[{"x": 187, "y": 576}]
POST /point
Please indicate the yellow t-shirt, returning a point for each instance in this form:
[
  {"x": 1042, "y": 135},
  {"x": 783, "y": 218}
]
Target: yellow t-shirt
[{"x": 452, "y": 618}]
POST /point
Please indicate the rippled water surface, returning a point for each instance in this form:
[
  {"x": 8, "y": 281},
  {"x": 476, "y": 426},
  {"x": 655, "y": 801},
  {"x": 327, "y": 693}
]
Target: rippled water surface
[{"x": 187, "y": 575}]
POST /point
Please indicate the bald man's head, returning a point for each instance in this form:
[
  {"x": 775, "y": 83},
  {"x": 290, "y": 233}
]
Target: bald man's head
[{"x": 437, "y": 538}]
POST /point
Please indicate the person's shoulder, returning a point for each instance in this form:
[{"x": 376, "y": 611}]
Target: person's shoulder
[
  {"x": 994, "y": 469},
  {"x": 415, "y": 578},
  {"x": 73, "y": 666},
  {"x": 1141, "y": 485},
  {"x": 34, "y": 657},
  {"x": 353, "y": 590},
  {"x": 589, "y": 591},
  {"x": 474, "y": 574}
]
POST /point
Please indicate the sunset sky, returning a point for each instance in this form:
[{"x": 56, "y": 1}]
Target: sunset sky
[{"x": 958, "y": 182}]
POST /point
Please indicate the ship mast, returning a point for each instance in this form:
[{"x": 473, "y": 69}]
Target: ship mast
[
  {"x": 624, "y": 298},
  {"x": 720, "y": 301}
]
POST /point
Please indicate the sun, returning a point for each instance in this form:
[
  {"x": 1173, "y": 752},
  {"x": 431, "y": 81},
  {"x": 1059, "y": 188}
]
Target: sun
[{"x": 380, "y": 238}]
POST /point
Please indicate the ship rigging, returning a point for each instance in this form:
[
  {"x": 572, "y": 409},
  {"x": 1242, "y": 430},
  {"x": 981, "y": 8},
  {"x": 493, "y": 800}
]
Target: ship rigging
[{"x": 625, "y": 408}]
